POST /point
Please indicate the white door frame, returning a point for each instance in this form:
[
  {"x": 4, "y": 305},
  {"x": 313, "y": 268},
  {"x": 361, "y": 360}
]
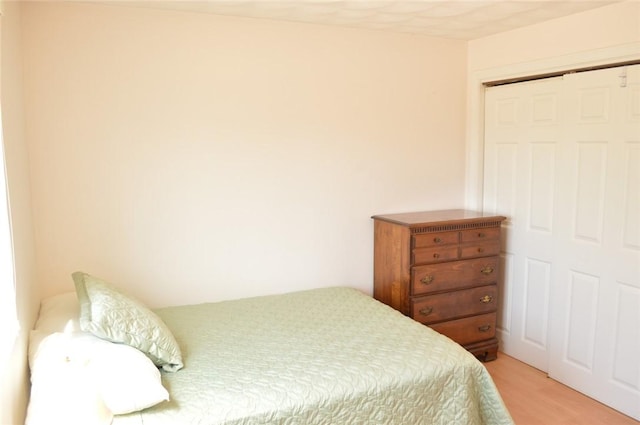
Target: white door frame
[{"x": 475, "y": 101}]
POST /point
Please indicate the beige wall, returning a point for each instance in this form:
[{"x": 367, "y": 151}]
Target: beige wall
[
  {"x": 14, "y": 376},
  {"x": 194, "y": 157},
  {"x": 604, "y": 35},
  {"x": 594, "y": 29}
]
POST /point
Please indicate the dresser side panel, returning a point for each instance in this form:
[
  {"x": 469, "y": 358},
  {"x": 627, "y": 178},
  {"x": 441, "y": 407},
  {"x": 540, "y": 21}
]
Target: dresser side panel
[{"x": 392, "y": 252}]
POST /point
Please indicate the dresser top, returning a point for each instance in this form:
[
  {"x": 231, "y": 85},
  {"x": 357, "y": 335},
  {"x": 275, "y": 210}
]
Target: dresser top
[{"x": 440, "y": 217}]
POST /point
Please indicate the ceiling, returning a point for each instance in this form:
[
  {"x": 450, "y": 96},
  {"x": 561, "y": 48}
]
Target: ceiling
[{"x": 457, "y": 19}]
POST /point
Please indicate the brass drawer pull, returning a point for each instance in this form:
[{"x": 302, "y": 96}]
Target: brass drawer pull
[
  {"x": 481, "y": 249},
  {"x": 427, "y": 279},
  {"x": 487, "y": 270},
  {"x": 481, "y": 235},
  {"x": 437, "y": 240},
  {"x": 436, "y": 255},
  {"x": 484, "y": 328},
  {"x": 426, "y": 311},
  {"x": 486, "y": 299}
]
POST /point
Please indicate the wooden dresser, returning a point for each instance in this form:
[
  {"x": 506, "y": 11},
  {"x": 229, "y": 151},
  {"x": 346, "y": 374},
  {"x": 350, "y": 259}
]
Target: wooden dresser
[{"x": 441, "y": 269}]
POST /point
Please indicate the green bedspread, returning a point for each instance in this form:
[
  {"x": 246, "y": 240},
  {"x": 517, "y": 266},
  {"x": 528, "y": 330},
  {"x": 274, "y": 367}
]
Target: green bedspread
[{"x": 325, "y": 356}]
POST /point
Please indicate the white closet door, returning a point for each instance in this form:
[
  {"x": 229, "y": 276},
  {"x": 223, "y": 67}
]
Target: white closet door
[
  {"x": 562, "y": 161},
  {"x": 595, "y": 313},
  {"x": 522, "y": 131}
]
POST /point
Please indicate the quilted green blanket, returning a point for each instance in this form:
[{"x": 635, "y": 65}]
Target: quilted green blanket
[{"x": 324, "y": 356}]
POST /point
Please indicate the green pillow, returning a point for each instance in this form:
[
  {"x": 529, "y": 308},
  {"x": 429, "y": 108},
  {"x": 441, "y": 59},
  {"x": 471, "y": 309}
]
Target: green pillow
[{"x": 108, "y": 313}]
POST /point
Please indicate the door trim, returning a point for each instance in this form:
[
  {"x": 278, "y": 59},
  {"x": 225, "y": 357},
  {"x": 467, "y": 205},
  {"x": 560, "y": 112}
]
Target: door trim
[{"x": 475, "y": 101}]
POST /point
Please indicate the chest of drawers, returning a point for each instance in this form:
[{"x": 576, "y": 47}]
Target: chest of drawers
[{"x": 441, "y": 268}]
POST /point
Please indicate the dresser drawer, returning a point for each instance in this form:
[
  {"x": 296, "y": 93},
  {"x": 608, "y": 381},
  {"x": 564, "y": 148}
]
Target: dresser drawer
[
  {"x": 480, "y": 249},
  {"x": 434, "y": 255},
  {"x": 453, "y": 275},
  {"x": 476, "y": 235},
  {"x": 429, "y": 240},
  {"x": 468, "y": 330},
  {"x": 449, "y": 305}
]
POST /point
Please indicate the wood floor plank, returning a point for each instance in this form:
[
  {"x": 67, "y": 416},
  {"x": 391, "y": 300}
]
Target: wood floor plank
[{"x": 534, "y": 399}]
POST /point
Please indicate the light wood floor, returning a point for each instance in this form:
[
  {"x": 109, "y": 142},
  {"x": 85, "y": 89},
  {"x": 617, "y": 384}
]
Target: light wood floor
[{"x": 534, "y": 399}]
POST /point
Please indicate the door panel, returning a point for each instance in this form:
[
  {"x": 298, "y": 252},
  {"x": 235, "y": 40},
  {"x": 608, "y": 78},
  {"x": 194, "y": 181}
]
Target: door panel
[
  {"x": 579, "y": 335},
  {"x": 542, "y": 165},
  {"x": 626, "y": 367},
  {"x": 505, "y": 298},
  {"x": 522, "y": 128},
  {"x": 562, "y": 161},
  {"x": 595, "y": 266},
  {"x": 538, "y": 274},
  {"x": 631, "y": 201}
]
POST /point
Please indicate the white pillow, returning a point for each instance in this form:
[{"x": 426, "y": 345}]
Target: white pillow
[
  {"x": 128, "y": 380},
  {"x": 124, "y": 378},
  {"x": 62, "y": 390},
  {"x": 59, "y": 313}
]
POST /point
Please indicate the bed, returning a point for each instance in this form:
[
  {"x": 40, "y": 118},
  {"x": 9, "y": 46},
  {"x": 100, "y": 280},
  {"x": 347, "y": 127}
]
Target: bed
[{"x": 323, "y": 356}]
